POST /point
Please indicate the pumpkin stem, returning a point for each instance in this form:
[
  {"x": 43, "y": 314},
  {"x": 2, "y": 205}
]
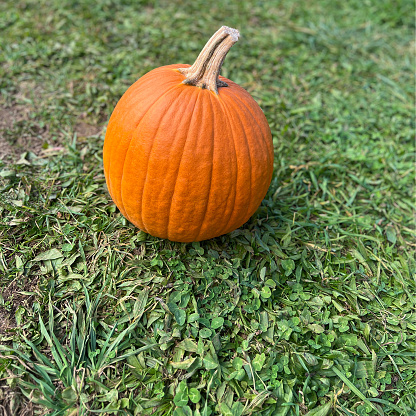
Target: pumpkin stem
[{"x": 205, "y": 71}]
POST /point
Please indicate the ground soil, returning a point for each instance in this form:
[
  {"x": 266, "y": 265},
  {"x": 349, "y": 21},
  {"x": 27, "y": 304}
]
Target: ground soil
[
  {"x": 34, "y": 138},
  {"x": 19, "y": 134},
  {"x": 14, "y": 299},
  {"x": 84, "y": 129}
]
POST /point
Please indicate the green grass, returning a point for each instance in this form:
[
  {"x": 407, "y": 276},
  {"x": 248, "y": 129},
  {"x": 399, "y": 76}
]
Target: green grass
[{"x": 307, "y": 309}]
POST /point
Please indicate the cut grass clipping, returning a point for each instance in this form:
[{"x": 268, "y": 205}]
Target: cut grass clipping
[{"x": 308, "y": 309}]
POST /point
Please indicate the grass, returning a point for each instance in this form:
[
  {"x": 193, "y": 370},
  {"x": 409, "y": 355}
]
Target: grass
[{"x": 307, "y": 309}]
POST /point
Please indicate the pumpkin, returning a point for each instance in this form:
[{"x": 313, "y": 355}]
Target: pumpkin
[{"x": 188, "y": 154}]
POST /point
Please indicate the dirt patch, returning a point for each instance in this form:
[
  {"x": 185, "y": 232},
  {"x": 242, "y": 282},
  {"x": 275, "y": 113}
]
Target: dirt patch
[
  {"x": 11, "y": 293},
  {"x": 17, "y": 133},
  {"x": 13, "y": 403},
  {"x": 84, "y": 129},
  {"x": 8, "y": 116},
  {"x": 5, "y": 322}
]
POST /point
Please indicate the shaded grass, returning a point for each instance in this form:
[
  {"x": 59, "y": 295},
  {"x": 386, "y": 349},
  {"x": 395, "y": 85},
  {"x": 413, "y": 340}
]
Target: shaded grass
[{"x": 307, "y": 308}]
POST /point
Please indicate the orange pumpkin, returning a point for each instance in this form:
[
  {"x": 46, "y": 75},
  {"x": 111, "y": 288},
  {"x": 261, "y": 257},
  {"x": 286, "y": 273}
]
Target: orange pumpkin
[{"x": 188, "y": 154}]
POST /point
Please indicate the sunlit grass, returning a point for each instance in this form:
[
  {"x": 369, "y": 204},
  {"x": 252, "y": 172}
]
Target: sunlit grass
[{"x": 309, "y": 307}]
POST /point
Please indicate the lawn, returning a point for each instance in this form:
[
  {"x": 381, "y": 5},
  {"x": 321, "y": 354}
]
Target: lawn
[{"x": 309, "y": 308}]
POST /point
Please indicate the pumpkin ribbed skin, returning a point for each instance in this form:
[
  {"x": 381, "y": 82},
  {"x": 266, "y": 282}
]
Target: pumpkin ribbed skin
[{"x": 183, "y": 163}]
